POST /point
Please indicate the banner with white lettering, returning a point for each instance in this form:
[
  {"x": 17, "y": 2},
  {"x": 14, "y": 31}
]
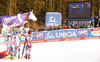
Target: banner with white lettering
[
  {"x": 40, "y": 36},
  {"x": 77, "y": 22},
  {"x": 72, "y": 33},
  {"x": 83, "y": 33},
  {"x": 53, "y": 34},
  {"x": 2, "y": 39},
  {"x": 95, "y": 32},
  {"x": 53, "y": 18},
  {"x": 58, "y": 34}
]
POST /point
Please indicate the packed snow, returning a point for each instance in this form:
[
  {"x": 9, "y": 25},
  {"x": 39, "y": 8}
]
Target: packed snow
[{"x": 64, "y": 51}]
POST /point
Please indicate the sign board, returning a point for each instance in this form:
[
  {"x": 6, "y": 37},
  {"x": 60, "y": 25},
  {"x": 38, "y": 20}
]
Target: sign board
[
  {"x": 95, "y": 32},
  {"x": 53, "y": 18},
  {"x": 58, "y": 34},
  {"x": 77, "y": 22},
  {"x": 83, "y": 33}
]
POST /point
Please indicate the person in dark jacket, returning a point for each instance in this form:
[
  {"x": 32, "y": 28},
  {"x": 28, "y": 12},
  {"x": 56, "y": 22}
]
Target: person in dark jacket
[
  {"x": 96, "y": 20},
  {"x": 73, "y": 26},
  {"x": 99, "y": 22},
  {"x": 81, "y": 26}
]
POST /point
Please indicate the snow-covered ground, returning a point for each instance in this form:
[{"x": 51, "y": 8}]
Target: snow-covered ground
[{"x": 64, "y": 51}]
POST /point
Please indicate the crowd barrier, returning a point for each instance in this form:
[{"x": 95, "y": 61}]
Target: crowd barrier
[{"x": 65, "y": 34}]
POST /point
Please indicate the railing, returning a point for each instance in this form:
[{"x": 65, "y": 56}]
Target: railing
[
  {"x": 67, "y": 33},
  {"x": 62, "y": 34}
]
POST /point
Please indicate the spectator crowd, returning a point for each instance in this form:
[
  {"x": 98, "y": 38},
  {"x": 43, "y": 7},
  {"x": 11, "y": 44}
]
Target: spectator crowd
[{"x": 91, "y": 24}]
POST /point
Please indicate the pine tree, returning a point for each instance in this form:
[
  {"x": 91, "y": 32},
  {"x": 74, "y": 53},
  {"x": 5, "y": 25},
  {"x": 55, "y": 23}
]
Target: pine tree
[{"x": 40, "y": 7}]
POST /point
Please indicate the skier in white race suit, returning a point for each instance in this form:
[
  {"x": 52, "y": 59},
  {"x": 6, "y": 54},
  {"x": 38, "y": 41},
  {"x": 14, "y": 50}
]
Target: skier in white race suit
[
  {"x": 9, "y": 43},
  {"x": 16, "y": 42}
]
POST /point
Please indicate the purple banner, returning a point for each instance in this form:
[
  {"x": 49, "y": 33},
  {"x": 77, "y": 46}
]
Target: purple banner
[
  {"x": 83, "y": 33},
  {"x": 40, "y": 36}
]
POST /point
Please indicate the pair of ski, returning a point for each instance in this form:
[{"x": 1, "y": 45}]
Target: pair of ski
[
  {"x": 27, "y": 56},
  {"x": 24, "y": 49}
]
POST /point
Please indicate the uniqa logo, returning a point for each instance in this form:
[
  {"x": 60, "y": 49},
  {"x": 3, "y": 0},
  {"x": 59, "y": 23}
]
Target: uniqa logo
[
  {"x": 50, "y": 35},
  {"x": 61, "y": 34},
  {"x": 52, "y": 24},
  {"x": 66, "y": 34},
  {"x": 83, "y": 32},
  {"x": 52, "y": 19},
  {"x": 7, "y": 20}
]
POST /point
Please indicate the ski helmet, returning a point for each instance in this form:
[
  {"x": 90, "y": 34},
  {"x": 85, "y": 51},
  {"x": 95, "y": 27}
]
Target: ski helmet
[{"x": 29, "y": 32}]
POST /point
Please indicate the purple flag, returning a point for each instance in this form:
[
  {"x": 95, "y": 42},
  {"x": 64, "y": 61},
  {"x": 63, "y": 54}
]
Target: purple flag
[{"x": 14, "y": 20}]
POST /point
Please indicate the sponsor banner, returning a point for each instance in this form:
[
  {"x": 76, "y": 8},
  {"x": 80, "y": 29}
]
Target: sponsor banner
[
  {"x": 58, "y": 34},
  {"x": 53, "y": 34},
  {"x": 70, "y": 33},
  {"x": 22, "y": 38},
  {"x": 2, "y": 40},
  {"x": 40, "y": 36},
  {"x": 83, "y": 33},
  {"x": 77, "y": 22},
  {"x": 61, "y": 34},
  {"x": 53, "y": 19},
  {"x": 33, "y": 34},
  {"x": 94, "y": 32},
  {"x": 57, "y": 40}
]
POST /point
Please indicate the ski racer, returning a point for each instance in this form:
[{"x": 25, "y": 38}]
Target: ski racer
[{"x": 28, "y": 44}]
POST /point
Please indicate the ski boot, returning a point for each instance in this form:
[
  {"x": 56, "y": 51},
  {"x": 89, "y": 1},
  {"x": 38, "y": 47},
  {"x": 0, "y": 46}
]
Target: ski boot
[
  {"x": 27, "y": 56},
  {"x": 15, "y": 57},
  {"x": 7, "y": 56},
  {"x": 11, "y": 57}
]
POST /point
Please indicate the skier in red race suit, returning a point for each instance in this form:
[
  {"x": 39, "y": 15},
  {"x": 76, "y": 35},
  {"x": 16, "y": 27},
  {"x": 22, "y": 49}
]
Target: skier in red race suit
[{"x": 28, "y": 44}]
